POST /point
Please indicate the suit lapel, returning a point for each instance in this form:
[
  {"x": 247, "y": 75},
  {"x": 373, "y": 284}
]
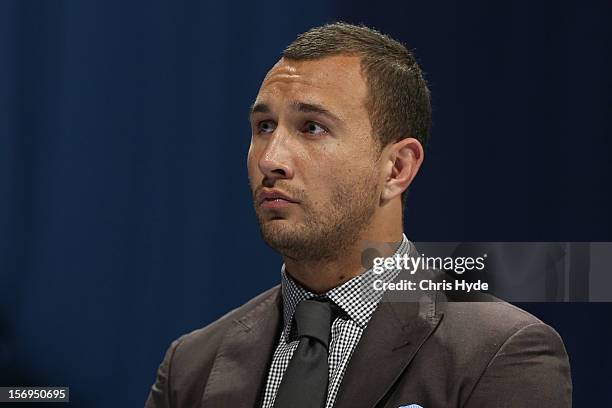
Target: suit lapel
[
  {"x": 239, "y": 371},
  {"x": 392, "y": 338}
]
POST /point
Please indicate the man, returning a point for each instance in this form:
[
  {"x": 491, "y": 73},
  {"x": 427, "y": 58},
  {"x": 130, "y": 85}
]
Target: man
[{"x": 338, "y": 130}]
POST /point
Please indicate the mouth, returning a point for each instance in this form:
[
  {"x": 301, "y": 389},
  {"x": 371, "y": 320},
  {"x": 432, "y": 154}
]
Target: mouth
[
  {"x": 275, "y": 199},
  {"x": 276, "y": 203}
]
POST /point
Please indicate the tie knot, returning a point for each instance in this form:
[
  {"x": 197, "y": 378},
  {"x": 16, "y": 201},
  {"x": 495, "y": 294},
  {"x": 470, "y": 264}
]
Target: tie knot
[{"x": 313, "y": 318}]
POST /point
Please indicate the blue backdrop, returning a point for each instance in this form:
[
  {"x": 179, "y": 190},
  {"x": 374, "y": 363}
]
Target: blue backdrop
[{"x": 125, "y": 212}]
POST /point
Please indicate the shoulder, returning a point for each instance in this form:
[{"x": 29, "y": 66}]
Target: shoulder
[
  {"x": 214, "y": 332},
  {"x": 195, "y": 352},
  {"x": 498, "y": 347},
  {"x": 486, "y": 323},
  {"x": 188, "y": 361}
]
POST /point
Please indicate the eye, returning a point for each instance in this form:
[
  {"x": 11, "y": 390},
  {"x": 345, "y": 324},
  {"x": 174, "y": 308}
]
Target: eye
[
  {"x": 313, "y": 128},
  {"x": 266, "y": 126}
]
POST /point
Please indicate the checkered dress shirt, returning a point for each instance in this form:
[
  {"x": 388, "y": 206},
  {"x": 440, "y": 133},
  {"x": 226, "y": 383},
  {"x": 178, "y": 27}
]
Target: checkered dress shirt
[{"x": 358, "y": 300}]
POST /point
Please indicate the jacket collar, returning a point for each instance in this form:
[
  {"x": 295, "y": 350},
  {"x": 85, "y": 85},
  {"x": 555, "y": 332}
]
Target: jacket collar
[
  {"x": 395, "y": 333},
  {"x": 238, "y": 375}
]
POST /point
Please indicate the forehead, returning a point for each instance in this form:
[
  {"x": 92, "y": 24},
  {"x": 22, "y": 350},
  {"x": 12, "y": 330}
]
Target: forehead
[{"x": 335, "y": 81}]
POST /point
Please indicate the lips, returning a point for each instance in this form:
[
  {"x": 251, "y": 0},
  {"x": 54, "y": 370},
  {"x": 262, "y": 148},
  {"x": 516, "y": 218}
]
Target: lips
[{"x": 272, "y": 196}]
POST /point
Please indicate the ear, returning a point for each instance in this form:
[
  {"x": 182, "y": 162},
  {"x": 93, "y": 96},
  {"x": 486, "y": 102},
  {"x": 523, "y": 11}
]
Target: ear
[{"x": 404, "y": 159}]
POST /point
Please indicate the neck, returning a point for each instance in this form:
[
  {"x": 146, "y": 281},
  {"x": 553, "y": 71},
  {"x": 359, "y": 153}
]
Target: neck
[{"x": 322, "y": 275}]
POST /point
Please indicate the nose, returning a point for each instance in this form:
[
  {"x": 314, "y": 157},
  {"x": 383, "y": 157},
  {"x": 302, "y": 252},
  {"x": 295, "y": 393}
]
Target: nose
[{"x": 274, "y": 161}]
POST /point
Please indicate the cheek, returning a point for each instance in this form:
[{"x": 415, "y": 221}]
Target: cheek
[
  {"x": 347, "y": 176},
  {"x": 327, "y": 178}
]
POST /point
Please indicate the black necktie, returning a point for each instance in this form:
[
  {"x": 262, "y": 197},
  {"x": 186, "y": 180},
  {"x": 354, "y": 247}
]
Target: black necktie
[{"x": 304, "y": 383}]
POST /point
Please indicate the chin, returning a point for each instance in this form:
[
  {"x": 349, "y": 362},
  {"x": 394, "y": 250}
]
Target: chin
[
  {"x": 279, "y": 229},
  {"x": 281, "y": 234}
]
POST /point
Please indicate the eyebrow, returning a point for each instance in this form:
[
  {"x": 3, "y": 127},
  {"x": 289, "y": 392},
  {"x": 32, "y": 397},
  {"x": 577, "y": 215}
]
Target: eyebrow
[{"x": 298, "y": 107}]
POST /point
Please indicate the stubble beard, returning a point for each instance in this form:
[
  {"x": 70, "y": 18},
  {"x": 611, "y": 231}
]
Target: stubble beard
[{"x": 327, "y": 231}]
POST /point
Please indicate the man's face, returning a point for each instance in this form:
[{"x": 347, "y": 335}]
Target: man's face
[{"x": 313, "y": 163}]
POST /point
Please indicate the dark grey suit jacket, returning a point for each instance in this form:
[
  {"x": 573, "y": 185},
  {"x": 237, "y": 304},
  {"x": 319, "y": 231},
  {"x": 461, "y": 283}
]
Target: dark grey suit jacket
[{"x": 437, "y": 352}]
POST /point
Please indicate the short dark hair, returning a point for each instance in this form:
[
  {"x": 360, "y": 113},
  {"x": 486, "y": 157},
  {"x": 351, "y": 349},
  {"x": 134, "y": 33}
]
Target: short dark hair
[{"x": 398, "y": 100}]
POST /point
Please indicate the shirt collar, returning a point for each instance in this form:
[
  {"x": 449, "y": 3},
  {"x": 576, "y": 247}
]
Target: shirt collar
[{"x": 357, "y": 297}]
